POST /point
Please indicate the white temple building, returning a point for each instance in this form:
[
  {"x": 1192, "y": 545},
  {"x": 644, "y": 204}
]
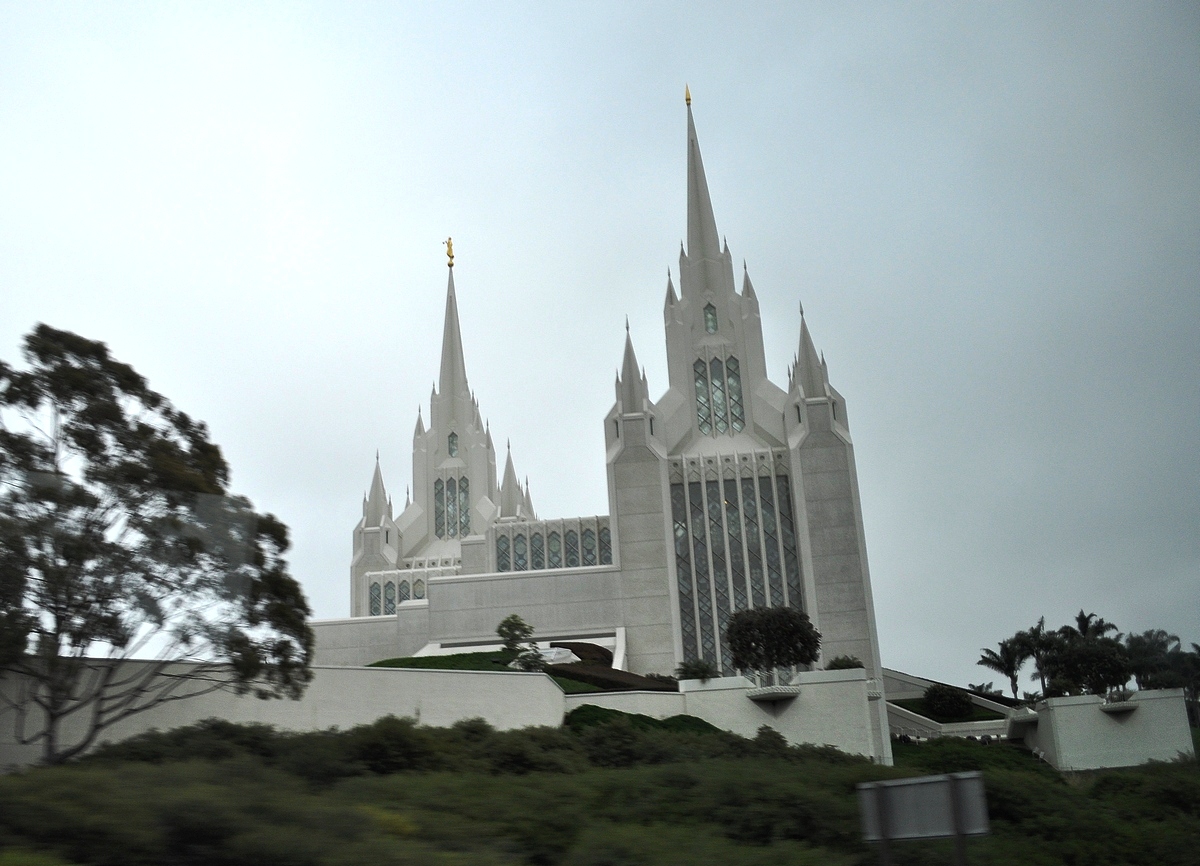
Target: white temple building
[{"x": 727, "y": 492}]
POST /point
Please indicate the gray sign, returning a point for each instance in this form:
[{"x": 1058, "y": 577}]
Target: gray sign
[{"x": 927, "y": 807}]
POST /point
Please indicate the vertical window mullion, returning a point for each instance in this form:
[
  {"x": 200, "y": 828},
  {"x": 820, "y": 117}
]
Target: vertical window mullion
[
  {"x": 753, "y": 543},
  {"x": 733, "y": 525},
  {"x": 720, "y": 575}
]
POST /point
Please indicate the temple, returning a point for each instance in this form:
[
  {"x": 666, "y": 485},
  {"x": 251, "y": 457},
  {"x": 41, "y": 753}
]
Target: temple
[{"x": 727, "y": 492}]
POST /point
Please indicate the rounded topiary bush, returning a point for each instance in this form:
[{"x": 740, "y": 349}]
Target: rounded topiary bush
[{"x": 948, "y": 702}]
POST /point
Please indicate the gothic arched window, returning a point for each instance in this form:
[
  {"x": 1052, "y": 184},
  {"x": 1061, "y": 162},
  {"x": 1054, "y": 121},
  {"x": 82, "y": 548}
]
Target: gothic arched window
[
  {"x": 605, "y": 546},
  {"x": 720, "y": 418},
  {"x": 537, "y": 551},
  {"x": 439, "y": 509},
  {"x": 452, "y": 444},
  {"x": 374, "y": 599},
  {"x": 502, "y": 553},
  {"x": 554, "y": 546},
  {"x": 464, "y": 507},
  {"x": 520, "y": 562},
  {"x": 589, "y": 547},
  {"x": 402, "y": 594},
  {"x": 703, "y": 412},
  {"x": 418, "y": 588},
  {"x": 389, "y": 598},
  {"x": 451, "y": 507},
  {"x": 710, "y": 319},
  {"x": 737, "y": 412}
]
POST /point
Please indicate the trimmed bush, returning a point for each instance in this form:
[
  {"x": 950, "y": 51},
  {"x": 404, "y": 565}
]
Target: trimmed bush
[{"x": 948, "y": 702}]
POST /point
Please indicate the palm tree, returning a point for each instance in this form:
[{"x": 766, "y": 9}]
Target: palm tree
[
  {"x": 1089, "y": 625},
  {"x": 1007, "y": 661},
  {"x": 1037, "y": 644}
]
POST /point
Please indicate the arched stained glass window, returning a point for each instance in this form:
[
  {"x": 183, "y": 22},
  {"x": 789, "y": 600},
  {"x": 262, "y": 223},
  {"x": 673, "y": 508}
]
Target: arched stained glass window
[
  {"x": 389, "y": 598},
  {"x": 439, "y": 509},
  {"x": 502, "y": 563},
  {"x": 374, "y": 600},
  {"x": 605, "y": 546},
  {"x": 418, "y": 588},
  {"x": 464, "y": 507},
  {"x": 402, "y": 595},
  {"x": 537, "y": 551},
  {"x": 589, "y": 547},
  {"x": 737, "y": 411},
  {"x": 710, "y": 319},
  {"x": 703, "y": 412},
  {"x": 720, "y": 418},
  {"x": 572, "y": 540},
  {"x": 451, "y": 507},
  {"x": 452, "y": 444},
  {"x": 520, "y": 559},
  {"x": 554, "y": 547}
]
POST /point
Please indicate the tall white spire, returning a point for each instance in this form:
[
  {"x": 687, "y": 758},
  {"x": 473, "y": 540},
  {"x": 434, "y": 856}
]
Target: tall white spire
[
  {"x": 376, "y": 505},
  {"x": 809, "y": 372},
  {"x": 702, "y": 238},
  {"x": 512, "y": 498},
  {"x": 453, "y": 378},
  {"x": 632, "y": 391}
]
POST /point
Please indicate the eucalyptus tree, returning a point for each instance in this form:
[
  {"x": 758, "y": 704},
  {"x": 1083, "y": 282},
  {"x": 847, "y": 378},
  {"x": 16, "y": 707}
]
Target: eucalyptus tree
[{"x": 129, "y": 574}]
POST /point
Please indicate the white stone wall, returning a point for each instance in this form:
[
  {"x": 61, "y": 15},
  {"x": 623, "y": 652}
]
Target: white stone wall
[
  {"x": 342, "y": 697},
  {"x": 1074, "y": 733},
  {"x": 364, "y": 640}
]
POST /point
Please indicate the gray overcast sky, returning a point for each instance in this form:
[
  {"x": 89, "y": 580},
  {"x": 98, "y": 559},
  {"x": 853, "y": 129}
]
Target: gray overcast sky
[{"x": 991, "y": 213}]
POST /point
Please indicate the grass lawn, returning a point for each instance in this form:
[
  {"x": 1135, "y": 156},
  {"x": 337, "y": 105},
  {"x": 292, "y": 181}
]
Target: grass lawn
[{"x": 497, "y": 660}]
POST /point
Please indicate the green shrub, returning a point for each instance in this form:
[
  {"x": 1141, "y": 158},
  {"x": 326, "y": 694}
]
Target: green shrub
[
  {"x": 948, "y": 702},
  {"x": 844, "y": 663}
]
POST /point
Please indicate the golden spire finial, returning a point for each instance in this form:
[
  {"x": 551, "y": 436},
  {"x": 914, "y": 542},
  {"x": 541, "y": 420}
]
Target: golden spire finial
[
  {"x": 687, "y": 94},
  {"x": 449, "y": 244}
]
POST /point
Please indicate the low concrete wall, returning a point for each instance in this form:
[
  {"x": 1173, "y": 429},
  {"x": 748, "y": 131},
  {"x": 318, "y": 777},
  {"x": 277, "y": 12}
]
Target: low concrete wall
[
  {"x": 902, "y": 721},
  {"x": 365, "y": 639},
  {"x": 1075, "y": 733},
  {"x": 832, "y": 709},
  {"x": 341, "y": 697}
]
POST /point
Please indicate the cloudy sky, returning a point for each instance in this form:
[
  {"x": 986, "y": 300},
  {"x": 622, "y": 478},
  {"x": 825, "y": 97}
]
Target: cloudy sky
[{"x": 991, "y": 213}]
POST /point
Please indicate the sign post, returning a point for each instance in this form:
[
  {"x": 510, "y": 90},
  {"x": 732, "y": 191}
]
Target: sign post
[{"x": 927, "y": 807}]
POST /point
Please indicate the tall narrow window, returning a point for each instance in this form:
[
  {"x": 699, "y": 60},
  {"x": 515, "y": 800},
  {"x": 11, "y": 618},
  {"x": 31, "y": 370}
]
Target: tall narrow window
[
  {"x": 716, "y": 542},
  {"x": 451, "y": 507},
  {"x": 787, "y": 534},
  {"x": 452, "y": 444},
  {"x": 605, "y": 546},
  {"x": 374, "y": 600},
  {"x": 710, "y": 319},
  {"x": 537, "y": 551},
  {"x": 439, "y": 509},
  {"x": 418, "y": 588},
  {"x": 589, "y": 547},
  {"x": 720, "y": 418},
  {"x": 554, "y": 548},
  {"x": 402, "y": 591},
  {"x": 753, "y": 545},
  {"x": 502, "y": 553},
  {"x": 708, "y": 640},
  {"x": 737, "y": 411},
  {"x": 770, "y": 540},
  {"x": 520, "y": 554},
  {"x": 572, "y": 544},
  {"x": 464, "y": 507},
  {"x": 389, "y": 598},
  {"x": 683, "y": 572},
  {"x": 733, "y": 524},
  {"x": 703, "y": 412}
]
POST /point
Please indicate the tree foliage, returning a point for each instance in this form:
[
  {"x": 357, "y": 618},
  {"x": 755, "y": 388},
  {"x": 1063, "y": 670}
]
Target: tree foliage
[
  {"x": 1007, "y": 660},
  {"x": 123, "y": 554},
  {"x": 765, "y": 638},
  {"x": 517, "y": 636}
]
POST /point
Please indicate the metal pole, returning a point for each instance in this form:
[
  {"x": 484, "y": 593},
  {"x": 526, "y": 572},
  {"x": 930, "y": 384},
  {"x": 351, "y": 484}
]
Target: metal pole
[
  {"x": 956, "y": 811},
  {"x": 883, "y": 804}
]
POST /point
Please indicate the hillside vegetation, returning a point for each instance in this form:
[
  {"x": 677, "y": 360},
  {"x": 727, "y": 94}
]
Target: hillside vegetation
[{"x": 605, "y": 789}]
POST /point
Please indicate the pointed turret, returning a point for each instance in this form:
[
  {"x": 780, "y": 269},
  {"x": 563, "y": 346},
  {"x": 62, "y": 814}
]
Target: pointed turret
[
  {"x": 809, "y": 371},
  {"x": 671, "y": 299},
  {"x": 376, "y": 505},
  {"x": 632, "y": 391},
  {"x": 702, "y": 238},
  {"x": 420, "y": 431},
  {"x": 747, "y": 286},
  {"x": 453, "y": 378},
  {"x": 528, "y": 503},
  {"x": 511, "y": 497}
]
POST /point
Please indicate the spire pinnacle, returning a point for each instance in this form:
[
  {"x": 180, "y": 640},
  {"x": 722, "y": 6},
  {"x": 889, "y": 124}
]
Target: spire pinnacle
[
  {"x": 632, "y": 392},
  {"x": 687, "y": 95},
  {"x": 702, "y": 238},
  {"x": 453, "y": 378}
]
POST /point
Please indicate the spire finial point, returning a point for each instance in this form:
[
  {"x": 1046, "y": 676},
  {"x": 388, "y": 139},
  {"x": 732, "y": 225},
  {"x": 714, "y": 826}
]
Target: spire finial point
[
  {"x": 802, "y": 309},
  {"x": 627, "y": 321},
  {"x": 687, "y": 95},
  {"x": 448, "y": 243}
]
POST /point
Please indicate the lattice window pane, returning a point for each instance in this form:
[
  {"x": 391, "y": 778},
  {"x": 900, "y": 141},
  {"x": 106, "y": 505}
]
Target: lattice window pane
[
  {"x": 683, "y": 572},
  {"x": 737, "y": 411},
  {"x": 374, "y": 599},
  {"x": 753, "y": 544},
  {"x": 520, "y": 558},
  {"x": 605, "y": 546},
  {"x": 439, "y": 509},
  {"x": 402, "y": 591},
  {"x": 452, "y": 444},
  {"x": 589, "y": 547},
  {"x": 464, "y": 506},
  {"x": 418, "y": 588},
  {"x": 791, "y": 559},
  {"x": 708, "y": 641},
  {"x": 733, "y": 523},
  {"x": 703, "y": 412},
  {"x": 502, "y": 563},
  {"x": 554, "y": 549},
  {"x": 716, "y": 540},
  {"x": 720, "y": 417},
  {"x": 537, "y": 551},
  {"x": 710, "y": 318},
  {"x": 451, "y": 507},
  {"x": 389, "y": 598},
  {"x": 771, "y": 541},
  {"x": 572, "y": 541}
]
